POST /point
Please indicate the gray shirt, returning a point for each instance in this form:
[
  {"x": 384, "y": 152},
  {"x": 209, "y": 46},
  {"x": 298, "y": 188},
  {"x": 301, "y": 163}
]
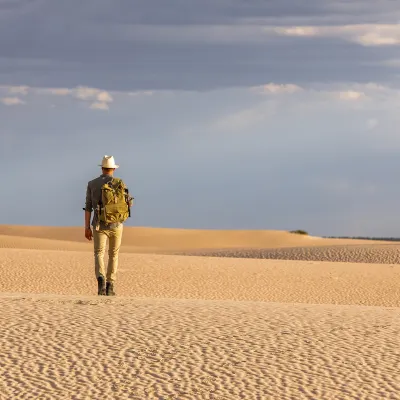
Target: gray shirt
[{"x": 93, "y": 196}]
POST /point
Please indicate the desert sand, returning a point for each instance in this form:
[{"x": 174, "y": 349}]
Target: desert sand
[{"x": 199, "y": 315}]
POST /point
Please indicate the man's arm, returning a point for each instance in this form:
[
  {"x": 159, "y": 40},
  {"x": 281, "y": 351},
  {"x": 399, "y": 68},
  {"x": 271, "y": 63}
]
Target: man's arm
[
  {"x": 87, "y": 219},
  {"x": 88, "y": 212}
]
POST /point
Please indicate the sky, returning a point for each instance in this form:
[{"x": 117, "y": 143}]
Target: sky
[{"x": 223, "y": 114}]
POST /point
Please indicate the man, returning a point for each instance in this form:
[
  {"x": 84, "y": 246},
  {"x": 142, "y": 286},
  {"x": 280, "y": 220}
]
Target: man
[{"x": 103, "y": 231}]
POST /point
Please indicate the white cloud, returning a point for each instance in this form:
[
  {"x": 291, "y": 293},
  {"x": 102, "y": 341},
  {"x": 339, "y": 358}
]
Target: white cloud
[
  {"x": 99, "y": 98},
  {"x": 342, "y": 91},
  {"x": 24, "y": 90},
  {"x": 277, "y": 89},
  {"x": 59, "y": 91},
  {"x": 104, "y": 97},
  {"x": 11, "y": 101},
  {"x": 364, "y": 34},
  {"x": 85, "y": 93},
  {"x": 18, "y": 90},
  {"x": 99, "y": 106},
  {"x": 96, "y": 98},
  {"x": 351, "y": 95},
  {"x": 298, "y": 31},
  {"x": 21, "y": 90}
]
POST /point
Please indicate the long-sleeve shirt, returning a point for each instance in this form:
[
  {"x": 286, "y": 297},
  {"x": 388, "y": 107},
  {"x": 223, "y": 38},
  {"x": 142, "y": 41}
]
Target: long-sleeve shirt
[{"x": 93, "y": 197}]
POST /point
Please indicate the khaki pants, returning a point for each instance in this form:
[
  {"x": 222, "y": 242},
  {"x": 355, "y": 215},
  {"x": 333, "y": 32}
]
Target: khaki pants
[{"x": 100, "y": 240}]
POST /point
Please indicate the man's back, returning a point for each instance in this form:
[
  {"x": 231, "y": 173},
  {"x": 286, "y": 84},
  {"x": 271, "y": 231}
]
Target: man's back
[{"x": 93, "y": 197}]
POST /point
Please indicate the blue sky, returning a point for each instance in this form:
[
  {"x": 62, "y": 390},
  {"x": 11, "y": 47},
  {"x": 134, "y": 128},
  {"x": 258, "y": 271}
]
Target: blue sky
[{"x": 223, "y": 114}]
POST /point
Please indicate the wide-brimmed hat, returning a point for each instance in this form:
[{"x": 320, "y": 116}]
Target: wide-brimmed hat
[{"x": 108, "y": 162}]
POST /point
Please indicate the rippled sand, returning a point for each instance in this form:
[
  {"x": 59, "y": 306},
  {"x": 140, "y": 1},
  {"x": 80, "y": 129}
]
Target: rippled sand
[
  {"x": 362, "y": 253},
  {"x": 70, "y": 347},
  {"x": 194, "y": 327}
]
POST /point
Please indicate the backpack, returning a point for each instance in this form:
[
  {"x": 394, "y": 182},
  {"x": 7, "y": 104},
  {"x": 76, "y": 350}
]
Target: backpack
[{"x": 115, "y": 203}]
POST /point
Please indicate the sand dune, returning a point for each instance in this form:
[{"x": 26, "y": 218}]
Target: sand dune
[
  {"x": 164, "y": 240},
  {"x": 33, "y": 243},
  {"x": 212, "y": 278},
  {"x": 195, "y": 327}
]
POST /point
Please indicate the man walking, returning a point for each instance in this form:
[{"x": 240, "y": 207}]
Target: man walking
[{"x": 109, "y": 198}]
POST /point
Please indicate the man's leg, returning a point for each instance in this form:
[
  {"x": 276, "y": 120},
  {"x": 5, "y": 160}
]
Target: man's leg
[
  {"x": 115, "y": 236},
  {"x": 100, "y": 241}
]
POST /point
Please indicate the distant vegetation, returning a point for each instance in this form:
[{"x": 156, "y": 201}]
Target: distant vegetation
[
  {"x": 300, "y": 232},
  {"x": 385, "y": 239}
]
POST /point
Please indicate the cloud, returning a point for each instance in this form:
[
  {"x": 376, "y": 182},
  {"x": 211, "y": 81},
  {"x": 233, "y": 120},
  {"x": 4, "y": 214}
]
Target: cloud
[
  {"x": 99, "y": 106},
  {"x": 365, "y": 35},
  {"x": 85, "y": 93},
  {"x": 296, "y": 30},
  {"x": 274, "y": 88},
  {"x": 199, "y": 46},
  {"x": 342, "y": 91},
  {"x": 82, "y": 93},
  {"x": 11, "y": 101},
  {"x": 351, "y": 95},
  {"x": 25, "y": 90},
  {"x": 18, "y": 90},
  {"x": 58, "y": 91},
  {"x": 96, "y": 97},
  {"x": 308, "y": 102},
  {"x": 99, "y": 98},
  {"x": 250, "y": 32},
  {"x": 104, "y": 97}
]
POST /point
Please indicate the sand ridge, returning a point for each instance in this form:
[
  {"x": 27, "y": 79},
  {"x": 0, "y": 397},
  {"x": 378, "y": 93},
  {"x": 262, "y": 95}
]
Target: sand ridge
[
  {"x": 353, "y": 253},
  {"x": 169, "y": 240}
]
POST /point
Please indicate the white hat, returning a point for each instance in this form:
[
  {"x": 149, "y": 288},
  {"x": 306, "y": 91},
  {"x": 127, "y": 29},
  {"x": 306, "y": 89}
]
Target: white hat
[{"x": 108, "y": 162}]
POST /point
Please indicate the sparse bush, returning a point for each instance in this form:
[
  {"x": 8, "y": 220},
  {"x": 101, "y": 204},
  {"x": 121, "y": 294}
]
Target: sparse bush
[{"x": 299, "y": 232}]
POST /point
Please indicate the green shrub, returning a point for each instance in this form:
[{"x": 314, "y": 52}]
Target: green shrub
[{"x": 299, "y": 232}]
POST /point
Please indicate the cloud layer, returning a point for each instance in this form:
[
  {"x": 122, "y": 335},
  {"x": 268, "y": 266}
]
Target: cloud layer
[
  {"x": 95, "y": 99},
  {"x": 123, "y": 45},
  {"x": 11, "y": 101}
]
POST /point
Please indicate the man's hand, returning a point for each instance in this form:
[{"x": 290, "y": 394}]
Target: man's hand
[{"x": 88, "y": 234}]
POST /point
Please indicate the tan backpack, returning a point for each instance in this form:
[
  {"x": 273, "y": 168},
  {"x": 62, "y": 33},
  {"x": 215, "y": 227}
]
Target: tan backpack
[{"x": 115, "y": 204}]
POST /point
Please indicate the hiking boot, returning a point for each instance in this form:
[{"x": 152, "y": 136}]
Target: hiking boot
[
  {"x": 101, "y": 286},
  {"x": 110, "y": 289}
]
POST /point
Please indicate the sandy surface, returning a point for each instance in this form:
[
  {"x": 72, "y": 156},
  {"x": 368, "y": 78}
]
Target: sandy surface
[
  {"x": 358, "y": 253},
  {"x": 158, "y": 240},
  {"x": 195, "y": 327}
]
